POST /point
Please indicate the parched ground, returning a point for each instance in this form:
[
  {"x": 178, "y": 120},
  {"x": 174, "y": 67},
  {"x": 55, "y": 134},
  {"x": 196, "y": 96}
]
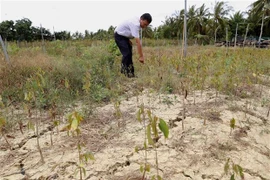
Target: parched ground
[{"x": 199, "y": 151}]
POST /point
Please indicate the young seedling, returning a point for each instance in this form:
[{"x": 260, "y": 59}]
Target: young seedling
[
  {"x": 233, "y": 170},
  {"x": 37, "y": 96},
  {"x": 141, "y": 118},
  {"x": 117, "y": 113},
  {"x": 232, "y": 125},
  {"x": 86, "y": 83},
  {"x": 74, "y": 121},
  {"x": 152, "y": 137},
  {"x": 56, "y": 123},
  {"x": 2, "y": 130},
  {"x": 30, "y": 97}
]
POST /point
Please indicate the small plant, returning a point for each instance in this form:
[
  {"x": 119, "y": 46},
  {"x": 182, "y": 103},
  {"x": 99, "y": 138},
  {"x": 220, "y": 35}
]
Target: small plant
[
  {"x": 117, "y": 113},
  {"x": 74, "y": 120},
  {"x": 29, "y": 98},
  {"x": 233, "y": 170},
  {"x": 232, "y": 125},
  {"x": 151, "y": 137},
  {"x": 3, "y": 129},
  {"x": 55, "y": 122}
]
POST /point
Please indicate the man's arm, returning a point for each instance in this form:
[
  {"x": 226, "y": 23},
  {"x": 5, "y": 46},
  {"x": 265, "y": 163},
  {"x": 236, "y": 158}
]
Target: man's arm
[{"x": 139, "y": 47}]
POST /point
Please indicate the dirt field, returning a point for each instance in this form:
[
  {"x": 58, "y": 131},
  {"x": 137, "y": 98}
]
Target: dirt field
[{"x": 199, "y": 151}]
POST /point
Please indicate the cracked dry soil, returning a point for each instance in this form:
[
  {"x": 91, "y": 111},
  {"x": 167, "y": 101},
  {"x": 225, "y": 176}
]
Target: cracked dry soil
[{"x": 199, "y": 151}]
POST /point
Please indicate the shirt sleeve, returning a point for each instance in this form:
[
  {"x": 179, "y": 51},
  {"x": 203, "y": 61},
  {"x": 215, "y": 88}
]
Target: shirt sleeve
[{"x": 134, "y": 29}]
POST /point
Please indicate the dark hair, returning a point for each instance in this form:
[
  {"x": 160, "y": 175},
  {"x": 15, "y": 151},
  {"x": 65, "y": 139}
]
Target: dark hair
[{"x": 147, "y": 17}]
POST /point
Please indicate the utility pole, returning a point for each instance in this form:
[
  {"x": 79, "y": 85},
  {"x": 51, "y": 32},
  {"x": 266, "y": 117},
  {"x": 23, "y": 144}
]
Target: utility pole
[
  {"x": 54, "y": 38},
  {"x": 43, "y": 44},
  {"x": 185, "y": 30}
]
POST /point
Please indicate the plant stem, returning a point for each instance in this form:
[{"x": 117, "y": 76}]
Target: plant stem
[
  {"x": 184, "y": 110},
  {"x": 38, "y": 146},
  {"x": 79, "y": 152},
  {"x": 145, "y": 140},
  {"x": 156, "y": 158},
  {"x": 6, "y": 140},
  {"x": 51, "y": 137}
]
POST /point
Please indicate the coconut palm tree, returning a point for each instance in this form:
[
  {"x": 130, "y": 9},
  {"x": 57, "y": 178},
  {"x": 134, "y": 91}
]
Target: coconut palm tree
[
  {"x": 237, "y": 20},
  {"x": 201, "y": 20},
  {"x": 221, "y": 9},
  {"x": 262, "y": 9}
]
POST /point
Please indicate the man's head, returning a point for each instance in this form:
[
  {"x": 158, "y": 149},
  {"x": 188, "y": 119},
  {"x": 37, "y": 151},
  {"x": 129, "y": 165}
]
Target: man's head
[{"x": 145, "y": 20}]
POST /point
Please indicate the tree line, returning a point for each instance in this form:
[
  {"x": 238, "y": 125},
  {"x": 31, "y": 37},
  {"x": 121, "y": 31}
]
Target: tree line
[{"x": 203, "y": 25}]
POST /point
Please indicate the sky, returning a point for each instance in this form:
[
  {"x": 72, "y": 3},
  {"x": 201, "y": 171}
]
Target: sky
[{"x": 92, "y": 15}]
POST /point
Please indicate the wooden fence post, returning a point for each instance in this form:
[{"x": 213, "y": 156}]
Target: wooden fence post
[{"x": 4, "y": 49}]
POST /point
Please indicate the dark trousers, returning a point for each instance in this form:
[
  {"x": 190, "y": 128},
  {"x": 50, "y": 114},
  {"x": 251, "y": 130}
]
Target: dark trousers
[{"x": 125, "y": 48}]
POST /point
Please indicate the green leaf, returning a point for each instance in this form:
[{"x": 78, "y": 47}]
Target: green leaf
[
  {"x": 232, "y": 177},
  {"x": 235, "y": 168},
  {"x": 139, "y": 116},
  {"x": 30, "y": 125},
  {"x": 159, "y": 177},
  {"x": 1, "y": 102},
  {"x": 136, "y": 149},
  {"x": 145, "y": 145},
  {"x": 84, "y": 171},
  {"x": 78, "y": 131},
  {"x": 89, "y": 155},
  {"x": 150, "y": 140},
  {"x": 2, "y": 122},
  {"x": 241, "y": 171},
  {"x": 67, "y": 83},
  {"x": 141, "y": 168},
  {"x": 76, "y": 171},
  {"x": 79, "y": 147},
  {"x": 142, "y": 109},
  {"x": 56, "y": 123},
  {"x": 81, "y": 165},
  {"x": 163, "y": 127},
  {"x": 74, "y": 124},
  {"x": 149, "y": 115},
  {"x": 227, "y": 166},
  {"x": 147, "y": 167},
  {"x": 232, "y": 123}
]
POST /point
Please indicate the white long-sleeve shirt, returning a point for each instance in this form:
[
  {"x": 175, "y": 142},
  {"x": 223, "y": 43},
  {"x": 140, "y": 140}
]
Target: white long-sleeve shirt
[{"x": 129, "y": 28}]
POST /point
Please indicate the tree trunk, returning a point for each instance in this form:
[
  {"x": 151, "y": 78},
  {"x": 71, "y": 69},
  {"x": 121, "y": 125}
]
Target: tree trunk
[
  {"x": 245, "y": 35},
  {"x": 261, "y": 31},
  {"x": 227, "y": 40},
  {"x": 216, "y": 34},
  {"x": 235, "y": 38}
]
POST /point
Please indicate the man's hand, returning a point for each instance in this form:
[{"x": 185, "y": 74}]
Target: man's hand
[
  {"x": 130, "y": 42},
  {"x": 141, "y": 59}
]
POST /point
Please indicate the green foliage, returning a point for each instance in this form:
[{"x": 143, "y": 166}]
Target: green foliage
[
  {"x": 74, "y": 120},
  {"x": 232, "y": 169},
  {"x": 232, "y": 123},
  {"x": 1, "y": 102},
  {"x": 152, "y": 135},
  {"x": 164, "y": 128},
  {"x": 113, "y": 48},
  {"x": 2, "y": 123},
  {"x": 73, "y": 128},
  {"x": 38, "y": 91},
  {"x": 7, "y": 30}
]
